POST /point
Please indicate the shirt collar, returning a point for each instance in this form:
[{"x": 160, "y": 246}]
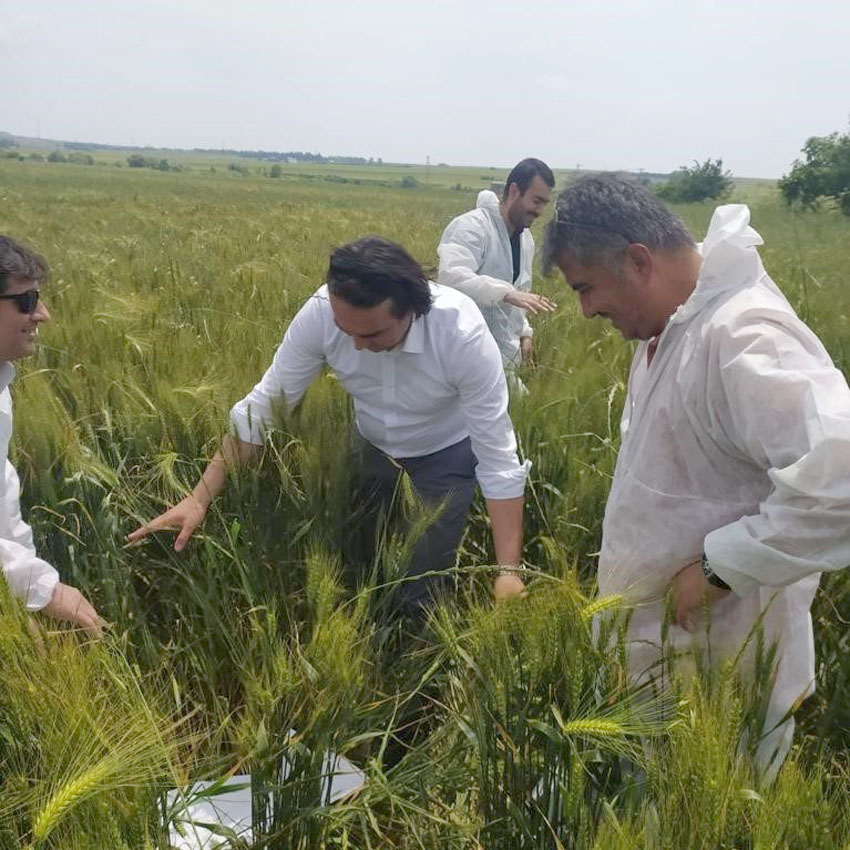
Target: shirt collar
[
  {"x": 7, "y": 373},
  {"x": 414, "y": 342}
]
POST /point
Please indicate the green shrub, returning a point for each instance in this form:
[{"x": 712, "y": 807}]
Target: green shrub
[
  {"x": 824, "y": 173},
  {"x": 706, "y": 180}
]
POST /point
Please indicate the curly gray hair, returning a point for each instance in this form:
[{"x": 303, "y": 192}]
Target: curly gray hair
[{"x": 597, "y": 218}]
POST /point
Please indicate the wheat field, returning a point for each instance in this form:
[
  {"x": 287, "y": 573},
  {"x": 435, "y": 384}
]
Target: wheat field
[{"x": 493, "y": 727}]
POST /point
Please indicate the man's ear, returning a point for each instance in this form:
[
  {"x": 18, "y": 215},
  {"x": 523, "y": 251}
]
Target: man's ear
[
  {"x": 640, "y": 259},
  {"x": 513, "y": 193}
]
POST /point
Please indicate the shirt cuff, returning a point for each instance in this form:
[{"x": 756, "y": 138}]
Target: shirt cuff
[
  {"x": 248, "y": 427},
  {"x": 40, "y": 592},
  {"x": 507, "y": 484},
  {"x": 723, "y": 548},
  {"x": 499, "y": 290}
]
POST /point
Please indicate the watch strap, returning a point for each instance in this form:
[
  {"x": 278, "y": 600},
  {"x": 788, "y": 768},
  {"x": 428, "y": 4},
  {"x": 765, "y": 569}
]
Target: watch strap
[{"x": 711, "y": 577}]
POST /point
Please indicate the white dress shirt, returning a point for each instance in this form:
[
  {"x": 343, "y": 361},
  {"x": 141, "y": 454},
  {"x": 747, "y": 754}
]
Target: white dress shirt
[
  {"x": 443, "y": 383},
  {"x": 475, "y": 257},
  {"x": 26, "y": 574},
  {"x": 736, "y": 443}
]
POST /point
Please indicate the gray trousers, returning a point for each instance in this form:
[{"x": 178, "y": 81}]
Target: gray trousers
[{"x": 445, "y": 477}]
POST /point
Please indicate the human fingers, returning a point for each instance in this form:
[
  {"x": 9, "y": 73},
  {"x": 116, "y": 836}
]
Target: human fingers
[
  {"x": 86, "y": 616},
  {"x": 683, "y": 618},
  {"x": 67, "y": 603},
  {"x": 187, "y": 530},
  {"x": 541, "y": 301},
  {"x": 163, "y": 521},
  {"x": 540, "y": 304}
]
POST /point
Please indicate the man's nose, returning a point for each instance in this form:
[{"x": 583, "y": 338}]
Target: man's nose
[{"x": 41, "y": 313}]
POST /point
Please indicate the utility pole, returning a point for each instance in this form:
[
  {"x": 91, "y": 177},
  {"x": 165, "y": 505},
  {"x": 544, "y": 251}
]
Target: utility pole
[{"x": 428, "y": 169}]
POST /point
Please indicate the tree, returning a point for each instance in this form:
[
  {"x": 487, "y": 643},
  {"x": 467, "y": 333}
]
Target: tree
[
  {"x": 275, "y": 171},
  {"x": 825, "y": 173},
  {"x": 704, "y": 180}
]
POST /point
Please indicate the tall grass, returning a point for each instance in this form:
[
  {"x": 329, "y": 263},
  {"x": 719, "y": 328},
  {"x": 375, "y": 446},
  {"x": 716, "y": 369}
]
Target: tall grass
[{"x": 507, "y": 727}]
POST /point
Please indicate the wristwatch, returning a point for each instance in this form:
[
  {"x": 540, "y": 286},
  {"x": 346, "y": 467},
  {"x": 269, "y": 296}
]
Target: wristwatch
[{"x": 711, "y": 577}]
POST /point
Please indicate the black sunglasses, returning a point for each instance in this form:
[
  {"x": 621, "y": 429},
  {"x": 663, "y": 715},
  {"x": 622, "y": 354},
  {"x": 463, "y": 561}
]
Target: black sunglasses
[{"x": 25, "y": 301}]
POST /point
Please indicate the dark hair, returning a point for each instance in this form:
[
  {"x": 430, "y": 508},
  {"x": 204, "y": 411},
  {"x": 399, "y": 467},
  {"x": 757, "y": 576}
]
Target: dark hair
[
  {"x": 524, "y": 172},
  {"x": 371, "y": 270},
  {"x": 598, "y": 217},
  {"x": 17, "y": 260}
]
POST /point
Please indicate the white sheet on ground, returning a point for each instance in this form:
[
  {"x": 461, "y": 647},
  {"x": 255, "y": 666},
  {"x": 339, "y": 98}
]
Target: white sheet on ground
[{"x": 210, "y": 821}]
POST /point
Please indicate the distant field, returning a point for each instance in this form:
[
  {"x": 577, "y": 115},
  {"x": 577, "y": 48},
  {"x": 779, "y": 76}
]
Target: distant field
[
  {"x": 170, "y": 291},
  {"x": 435, "y": 175}
]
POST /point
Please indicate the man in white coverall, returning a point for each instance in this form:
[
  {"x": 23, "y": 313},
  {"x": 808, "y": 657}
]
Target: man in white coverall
[
  {"x": 487, "y": 254},
  {"x": 430, "y": 397},
  {"x": 732, "y": 483},
  {"x": 22, "y": 272}
]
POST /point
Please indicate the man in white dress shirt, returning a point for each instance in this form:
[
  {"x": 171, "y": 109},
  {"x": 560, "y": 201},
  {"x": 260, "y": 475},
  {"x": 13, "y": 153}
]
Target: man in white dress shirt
[
  {"x": 732, "y": 483},
  {"x": 429, "y": 395},
  {"x": 22, "y": 272},
  {"x": 487, "y": 254}
]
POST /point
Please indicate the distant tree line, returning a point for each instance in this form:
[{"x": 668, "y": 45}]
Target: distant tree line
[
  {"x": 54, "y": 156},
  {"x": 269, "y": 156},
  {"x": 295, "y": 156}
]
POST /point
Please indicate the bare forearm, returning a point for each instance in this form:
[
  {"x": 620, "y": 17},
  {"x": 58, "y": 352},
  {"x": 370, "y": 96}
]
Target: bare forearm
[
  {"x": 233, "y": 453},
  {"x": 506, "y": 522}
]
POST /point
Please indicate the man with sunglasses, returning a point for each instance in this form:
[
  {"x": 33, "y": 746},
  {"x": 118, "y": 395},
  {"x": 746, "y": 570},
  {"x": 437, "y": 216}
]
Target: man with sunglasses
[{"x": 22, "y": 271}]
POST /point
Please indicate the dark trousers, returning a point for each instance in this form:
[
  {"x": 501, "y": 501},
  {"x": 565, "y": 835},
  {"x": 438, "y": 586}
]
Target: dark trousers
[{"x": 446, "y": 478}]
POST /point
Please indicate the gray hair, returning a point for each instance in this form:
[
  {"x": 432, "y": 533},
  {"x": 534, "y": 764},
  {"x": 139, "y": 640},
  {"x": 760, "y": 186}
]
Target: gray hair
[
  {"x": 17, "y": 260},
  {"x": 597, "y": 218}
]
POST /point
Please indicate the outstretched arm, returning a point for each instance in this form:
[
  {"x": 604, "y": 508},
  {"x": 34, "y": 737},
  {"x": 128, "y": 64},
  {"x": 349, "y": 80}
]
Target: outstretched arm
[
  {"x": 189, "y": 513},
  {"x": 296, "y": 363},
  {"x": 483, "y": 399},
  {"x": 461, "y": 251}
]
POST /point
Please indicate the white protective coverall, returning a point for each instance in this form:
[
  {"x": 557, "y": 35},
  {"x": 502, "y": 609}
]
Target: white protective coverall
[
  {"x": 736, "y": 443},
  {"x": 475, "y": 257}
]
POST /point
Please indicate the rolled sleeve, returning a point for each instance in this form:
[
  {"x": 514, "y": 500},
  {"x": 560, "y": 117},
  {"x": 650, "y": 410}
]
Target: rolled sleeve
[
  {"x": 297, "y": 361},
  {"x": 483, "y": 396},
  {"x": 790, "y": 409},
  {"x": 505, "y": 484},
  {"x": 27, "y": 575}
]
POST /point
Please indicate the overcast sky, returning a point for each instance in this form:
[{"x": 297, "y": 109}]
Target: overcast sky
[{"x": 650, "y": 84}]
